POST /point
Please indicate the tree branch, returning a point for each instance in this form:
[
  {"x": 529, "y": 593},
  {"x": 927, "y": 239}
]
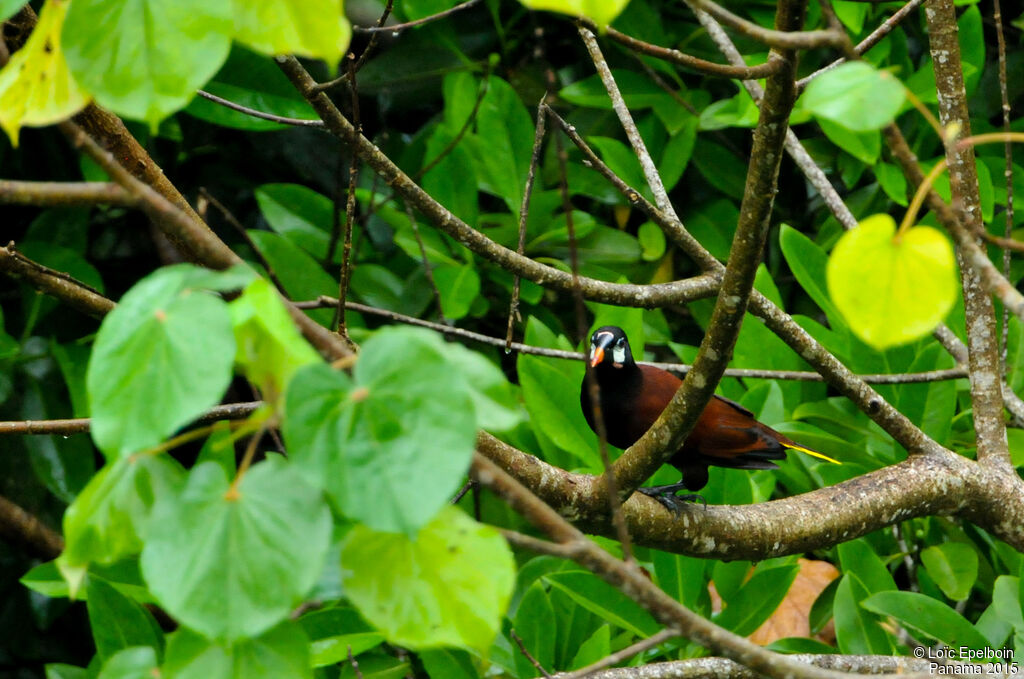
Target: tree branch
[
  {"x": 635, "y": 583},
  {"x": 54, "y": 283},
  {"x": 50, "y": 194},
  {"x": 983, "y": 343},
  {"x": 622, "y": 294},
  {"x": 784, "y": 39}
]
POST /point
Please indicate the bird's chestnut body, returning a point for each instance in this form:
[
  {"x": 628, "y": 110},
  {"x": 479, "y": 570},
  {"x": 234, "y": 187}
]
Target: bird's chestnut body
[{"x": 633, "y": 396}]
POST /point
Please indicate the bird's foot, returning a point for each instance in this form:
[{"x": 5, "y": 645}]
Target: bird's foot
[{"x": 666, "y": 495}]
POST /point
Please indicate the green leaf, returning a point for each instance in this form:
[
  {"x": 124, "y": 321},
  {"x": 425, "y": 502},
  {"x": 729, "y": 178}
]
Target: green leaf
[
  {"x": 117, "y": 621},
  {"x": 892, "y": 181},
  {"x": 864, "y": 146},
  {"x": 9, "y": 8},
  {"x": 594, "y": 648},
  {"x": 857, "y": 631},
  {"x": 448, "y": 664},
  {"x": 162, "y": 358},
  {"x": 300, "y": 274},
  {"x": 450, "y": 586},
  {"x": 270, "y": 348},
  {"x": 307, "y": 28},
  {"x": 892, "y": 291},
  {"x": 652, "y": 241},
  {"x": 334, "y": 632},
  {"x": 808, "y": 262},
  {"x": 231, "y": 563},
  {"x": 254, "y": 81},
  {"x": 533, "y": 626},
  {"x": 928, "y": 617},
  {"x": 138, "y": 662},
  {"x": 503, "y": 142},
  {"x": 281, "y": 652},
  {"x": 859, "y": 558},
  {"x": 392, "y": 444},
  {"x": 494, "y": 400},
  {"x": 459, "y": 287},
  {"x": 452, "y": 180},
  {"x": 144, "y": 59},
  {"x": 300, "y": 214},
  {"x": 601, "y": 12},
  {"x": 757, "y": 599},
  {"x": 684, "y": 578},
  {"x": 605, "y": 601},
  {"x": 953, "y": 566},
  {"x": 36, "y": 87},
  {"x": 109, "y": 518},
  {"x": 63, "y": 671},
  {"x": 856, "y": 96}
]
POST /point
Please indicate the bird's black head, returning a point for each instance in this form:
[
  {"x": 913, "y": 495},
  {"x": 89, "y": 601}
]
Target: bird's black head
[{"x": 609, "y": 347}]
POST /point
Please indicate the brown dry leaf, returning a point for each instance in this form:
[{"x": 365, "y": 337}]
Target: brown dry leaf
[{"x": 791, "y": 618}]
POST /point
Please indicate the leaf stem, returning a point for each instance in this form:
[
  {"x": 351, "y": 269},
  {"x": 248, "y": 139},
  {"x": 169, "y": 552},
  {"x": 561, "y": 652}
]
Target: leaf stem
[{"x": 923, "y": 188}]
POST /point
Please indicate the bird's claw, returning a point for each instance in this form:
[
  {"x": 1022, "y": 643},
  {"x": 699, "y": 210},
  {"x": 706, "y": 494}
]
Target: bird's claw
[{"x": 666, "y": 495}]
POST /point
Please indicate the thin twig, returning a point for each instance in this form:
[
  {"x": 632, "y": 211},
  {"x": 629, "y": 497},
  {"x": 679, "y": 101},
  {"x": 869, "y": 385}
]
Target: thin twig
[
  {"x": 1004, "y": 96},
  {"x": 867, "y": 43},
  {"x": 625, "y": 654},
  {"x": 481, "y": 92},
  {"x": 18, "y": 524},
  {"x": 682, "y": 368},
  {"x": 233, "y": 222},
  {"x": 793, "y": 40},
  {"x": 528, "y": 655},
  {"x": 396, "y": 28},
  {"x": 524, "y": 211},
  {"x": 80, "y": 425},
  {"x": 687, "y": 61},
  {"x": 347, "y": 263},
  {"x": 49, "y": 194},
  {"x": 428, "y": 269},
  {"x": 297, "y": 122},
  {"x": 55, "y": 283}
]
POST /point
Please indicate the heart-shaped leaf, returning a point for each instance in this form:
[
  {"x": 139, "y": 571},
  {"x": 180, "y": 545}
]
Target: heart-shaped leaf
[
  {"x": 232, "y": 565},
  {"x": 449, "y": 586},
  {"x": 393, "y": 443},
  {"x": 892, "y": 290}
]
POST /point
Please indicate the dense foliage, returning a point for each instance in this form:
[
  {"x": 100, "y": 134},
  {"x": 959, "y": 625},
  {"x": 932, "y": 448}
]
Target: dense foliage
[{"x": 317, "y": 531}]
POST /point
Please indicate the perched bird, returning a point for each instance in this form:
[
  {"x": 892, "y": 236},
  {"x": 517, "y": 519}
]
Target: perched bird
[{"x": 632, "y": 398}]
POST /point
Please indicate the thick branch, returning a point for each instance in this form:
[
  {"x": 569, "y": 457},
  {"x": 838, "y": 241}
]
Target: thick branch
[
  {"x": 723, "y": 668},
  {"x": 983, "y": 344},
  {"x": 918, "y": 486},
  {"x": 193, "y": 234},
  {"x": 637, "y": 585}
]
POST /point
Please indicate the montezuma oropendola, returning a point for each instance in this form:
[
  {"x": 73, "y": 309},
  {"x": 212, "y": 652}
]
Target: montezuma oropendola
[{"x": 632, "y": 398}]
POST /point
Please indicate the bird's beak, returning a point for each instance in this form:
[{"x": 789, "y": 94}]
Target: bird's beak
[{"x": 597, "y": 356}]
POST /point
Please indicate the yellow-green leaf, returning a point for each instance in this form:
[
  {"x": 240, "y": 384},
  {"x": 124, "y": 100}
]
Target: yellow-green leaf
[
  {"x": 892, "y": 290},
  {"x": 36, "y": 87},
  {"x": 601, "y": 12},
  {"x": 306, "y": 28}
]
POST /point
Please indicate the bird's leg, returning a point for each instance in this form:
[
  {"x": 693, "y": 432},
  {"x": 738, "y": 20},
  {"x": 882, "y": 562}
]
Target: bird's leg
[{"x": 666, "y": 495}]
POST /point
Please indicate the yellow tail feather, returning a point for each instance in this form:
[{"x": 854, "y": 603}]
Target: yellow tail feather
[{"x": 812, "y": 453}]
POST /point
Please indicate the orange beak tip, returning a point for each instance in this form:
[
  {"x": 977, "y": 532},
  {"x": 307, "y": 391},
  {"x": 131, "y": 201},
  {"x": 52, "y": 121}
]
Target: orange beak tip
[{"x": 597, "y": 357}]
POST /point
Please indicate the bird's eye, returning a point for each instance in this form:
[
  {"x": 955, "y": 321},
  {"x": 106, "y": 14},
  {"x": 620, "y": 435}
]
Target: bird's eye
[{"x": 621, "y": 342}]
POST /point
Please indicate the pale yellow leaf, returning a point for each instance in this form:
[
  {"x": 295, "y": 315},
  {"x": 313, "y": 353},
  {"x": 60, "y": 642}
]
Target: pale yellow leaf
[{"x": 36, "y": 87}]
